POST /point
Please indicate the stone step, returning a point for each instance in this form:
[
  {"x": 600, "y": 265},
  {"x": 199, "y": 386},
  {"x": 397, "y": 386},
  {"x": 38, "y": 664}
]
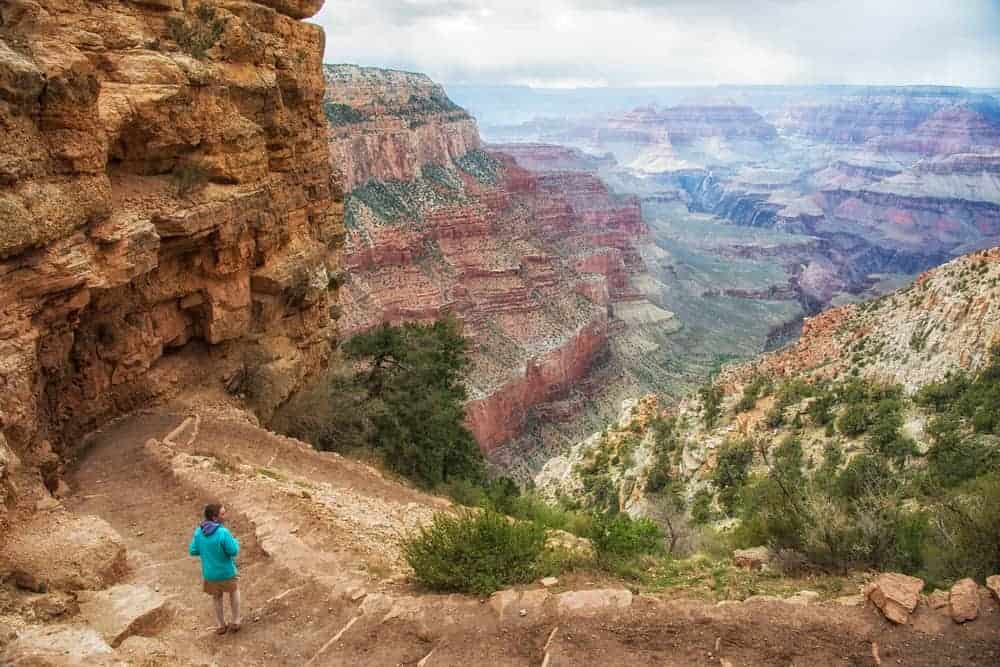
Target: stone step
[{"x": 122, "y": 611}]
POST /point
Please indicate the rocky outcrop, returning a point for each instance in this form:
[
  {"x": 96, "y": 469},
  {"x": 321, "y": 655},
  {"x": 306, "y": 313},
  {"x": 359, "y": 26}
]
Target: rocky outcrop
[
  {"x": 896, "y": 595},
  {"x": 386, "y": 125},
  {"x": 947, "y": 320},
  {"x": 529, "y": 262},
  {"x": 168, "y": 206}
]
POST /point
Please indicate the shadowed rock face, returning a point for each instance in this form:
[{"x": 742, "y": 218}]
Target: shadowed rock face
[{"x": 167, "y": 203}]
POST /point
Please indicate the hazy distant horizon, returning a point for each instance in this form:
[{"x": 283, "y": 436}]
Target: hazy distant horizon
[{"x": 626, "y": 44}]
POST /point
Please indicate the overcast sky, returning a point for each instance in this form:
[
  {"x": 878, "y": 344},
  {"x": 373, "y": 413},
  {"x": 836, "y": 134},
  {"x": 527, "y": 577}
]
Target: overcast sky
[{"x": 566, "y": 43}]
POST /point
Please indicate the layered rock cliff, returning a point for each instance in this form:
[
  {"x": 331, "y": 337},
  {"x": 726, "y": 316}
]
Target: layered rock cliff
[
  {"x": 169, "y": 213},
  {"x": 935, "y": 120},
  {"x": 531, "y": 263},
  {"x": 386, "y": 124}
]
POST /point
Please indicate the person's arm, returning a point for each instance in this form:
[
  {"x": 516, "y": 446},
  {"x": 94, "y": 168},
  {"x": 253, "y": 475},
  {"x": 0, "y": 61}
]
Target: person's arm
[
  {"x": 230, "y": 545},
  {"x": 193, "y": 549}
]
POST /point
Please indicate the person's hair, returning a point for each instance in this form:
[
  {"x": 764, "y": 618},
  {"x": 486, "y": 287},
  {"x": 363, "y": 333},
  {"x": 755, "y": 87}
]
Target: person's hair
[{"x": 212, "y": 512}]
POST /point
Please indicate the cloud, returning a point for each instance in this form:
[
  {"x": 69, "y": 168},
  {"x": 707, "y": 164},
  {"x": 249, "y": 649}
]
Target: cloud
[{"x": 650, "y": 42}]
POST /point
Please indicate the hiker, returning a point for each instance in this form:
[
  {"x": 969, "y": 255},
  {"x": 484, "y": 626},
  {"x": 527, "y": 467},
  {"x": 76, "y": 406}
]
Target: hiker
[{"x": 218, "y": 548}]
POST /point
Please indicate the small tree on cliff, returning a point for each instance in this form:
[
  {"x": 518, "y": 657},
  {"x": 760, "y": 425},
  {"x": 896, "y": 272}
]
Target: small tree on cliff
[{"x": 413, "y": 376}]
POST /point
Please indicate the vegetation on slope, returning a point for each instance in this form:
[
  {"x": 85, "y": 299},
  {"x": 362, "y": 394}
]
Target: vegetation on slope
[{"x": 866, "y": 494}]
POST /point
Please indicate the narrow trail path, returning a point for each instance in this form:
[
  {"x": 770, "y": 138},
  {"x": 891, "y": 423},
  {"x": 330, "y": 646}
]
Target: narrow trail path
[
  {"x": 321, "y": 584},
  {"x": 120, "y": 482}
]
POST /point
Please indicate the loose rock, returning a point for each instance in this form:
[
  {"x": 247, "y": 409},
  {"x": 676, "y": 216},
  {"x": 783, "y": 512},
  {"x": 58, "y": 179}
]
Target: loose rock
[
  {"x": 593, "y": 602},
  {"x": 123, "y": 611},
  {"x": 964, "y": 601},
  {"x": 896, "y": 595},
  {"x": 756, "y": 558},
  {"x": 993, "y": 583}
]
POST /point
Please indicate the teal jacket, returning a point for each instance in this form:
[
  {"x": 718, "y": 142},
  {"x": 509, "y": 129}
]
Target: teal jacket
[{"x": 217, "y": 548}]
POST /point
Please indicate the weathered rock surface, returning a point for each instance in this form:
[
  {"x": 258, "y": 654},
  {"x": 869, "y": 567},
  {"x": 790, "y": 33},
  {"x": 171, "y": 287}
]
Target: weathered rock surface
[
  {"x": 896, "y": 595},
  {"x": 59, "y": 646},
  {"x": 159, "y": 200},
  {"x": 964, "y": 601},
  {"x": 64, "y": 552},
  {"x": 387, "y": 125},
  {"x": 993, "y": 584},
  {"x": 593, "y": 602},
  {"x": 938, "y": 599},
  {"x": 122, "y": 611}
]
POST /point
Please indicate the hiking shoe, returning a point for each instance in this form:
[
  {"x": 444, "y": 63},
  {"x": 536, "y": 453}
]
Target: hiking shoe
[
  {"x": 222, "y": 630},
  {"x": 234, "y": 627}
]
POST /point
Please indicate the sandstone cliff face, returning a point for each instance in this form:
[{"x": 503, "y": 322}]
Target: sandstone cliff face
[
  {"x": 386, "y": 125},
  {"x": 167, "y": 203},
  {"x": 528, "y": 262}
]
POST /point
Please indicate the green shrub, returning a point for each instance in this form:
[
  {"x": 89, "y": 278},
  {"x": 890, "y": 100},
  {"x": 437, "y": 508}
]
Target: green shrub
[
  {"x": 965, "y": 541},
  {"x": 752, "y": 391},
  {"x": 475, "y": 552},
  {"x": 481, "y": 165},
  {"x": 413, "y": 375},
  {"x": 821, "y": 409},
  {"x": 731, "y": 471},
  {"x": 618, "y": 538},
  {"x": 197, "y": 35},
  {"x": 854, "y": 421},
  {"x": 341, "y": 114},
  {"x": 711, "y": 398},
  {"x": 701, "y": 508},
  {"x": 955, "y": 457},
  {"x": 884, "y": 432}
]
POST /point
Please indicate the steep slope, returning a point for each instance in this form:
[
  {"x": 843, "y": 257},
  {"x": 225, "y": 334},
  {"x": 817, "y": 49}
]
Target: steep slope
[
  {"x": 946, "y": 321},
  {"x": 169, "y": 213},
  {"x": 534, "y": 265}
]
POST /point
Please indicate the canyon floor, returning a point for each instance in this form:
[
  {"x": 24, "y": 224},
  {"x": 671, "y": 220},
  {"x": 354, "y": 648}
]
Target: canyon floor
[{"x": 323, "y": 581}]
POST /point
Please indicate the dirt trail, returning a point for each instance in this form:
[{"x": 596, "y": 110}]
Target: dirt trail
[{"x": 322, "y": 582}]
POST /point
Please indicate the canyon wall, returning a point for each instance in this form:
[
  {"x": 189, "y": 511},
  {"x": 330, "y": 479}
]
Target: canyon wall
[
  {"x": 529, "y": 262},
  {"x": 947, "y": 321},
  {"x": 386, "y": 125},
  {"x": 169, "y": 211}
]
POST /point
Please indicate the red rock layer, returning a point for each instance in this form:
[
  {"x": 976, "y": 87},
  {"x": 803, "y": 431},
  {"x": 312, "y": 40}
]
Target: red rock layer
[
  {"x": 403, "y": 122},
  {"x": 922, "y": 120},
  {"x": 948, "y": 131},
  {"x": 528, "y": 264},
  {"x": 683, "y": 124},
  {"x": 157, "y": 200}
]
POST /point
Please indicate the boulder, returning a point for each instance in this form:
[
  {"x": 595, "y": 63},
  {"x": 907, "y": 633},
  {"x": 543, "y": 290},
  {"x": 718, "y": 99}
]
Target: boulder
[
  {"x": 993, "y": 583},
  {"x": 122, "y": 611},
  {"x": 58, "y": 645},
  {"x": 593, "y": 602},
  {"x": 549, "y": 582},
  {"x": 62, "y": 551},
  {"x": 938, "y": 599},
  {"x": 896, "y": 595},
  {"x": 756, "y": 558},
  {"x": 510, "y": 605},
  {"x": 964, "y": 601}
]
